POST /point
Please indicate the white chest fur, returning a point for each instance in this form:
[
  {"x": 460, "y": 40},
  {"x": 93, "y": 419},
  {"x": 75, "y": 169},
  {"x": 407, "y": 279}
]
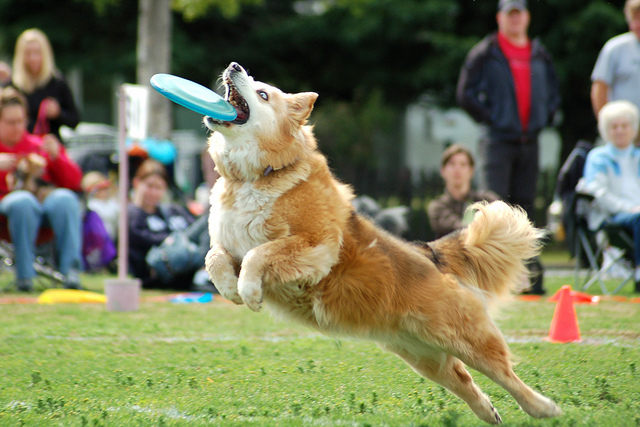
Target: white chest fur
[{"x": 241, "y": 226}]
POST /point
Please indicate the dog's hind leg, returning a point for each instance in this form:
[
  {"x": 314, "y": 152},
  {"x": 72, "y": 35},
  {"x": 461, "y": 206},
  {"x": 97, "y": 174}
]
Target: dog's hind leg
[
  {"x": 492, "y": 360},
  {"x": 450, "y": 373},
  {"x": 482, "y": 347}
]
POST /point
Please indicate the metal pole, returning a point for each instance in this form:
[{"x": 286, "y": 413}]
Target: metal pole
[{"x": 123, "y": 187}]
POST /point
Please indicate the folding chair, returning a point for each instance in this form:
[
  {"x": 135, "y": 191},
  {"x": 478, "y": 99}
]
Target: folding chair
[
  {"x": 589, "y": 246},
  {"x": 48, "y": 276}
]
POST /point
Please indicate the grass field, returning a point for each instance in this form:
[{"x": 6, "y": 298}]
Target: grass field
[{"x": 219, "y": 364}]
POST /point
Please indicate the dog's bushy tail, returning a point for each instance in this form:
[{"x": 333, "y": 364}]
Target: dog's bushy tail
[{"x": 491, "y": 252}]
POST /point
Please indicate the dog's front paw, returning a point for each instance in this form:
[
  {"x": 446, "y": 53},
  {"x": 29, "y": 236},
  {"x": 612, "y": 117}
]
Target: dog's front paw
[
  {"x": 223, "y": 277},
  {"x": 227, "y": 285},
  {"x": 250, "y": 291},
  {"x": 228, "y": 290}
]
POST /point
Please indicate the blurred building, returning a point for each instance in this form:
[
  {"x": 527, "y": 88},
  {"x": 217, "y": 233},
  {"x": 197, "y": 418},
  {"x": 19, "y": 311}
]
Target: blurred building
[{"x": 429, "y": 130}]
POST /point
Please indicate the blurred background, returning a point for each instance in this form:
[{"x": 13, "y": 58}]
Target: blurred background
[{"x": 385, "y": 70}]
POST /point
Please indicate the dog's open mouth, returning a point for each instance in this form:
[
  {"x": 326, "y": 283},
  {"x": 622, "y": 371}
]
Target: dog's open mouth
[
  {"x": 233, "y": 96},
  {"x": 238, "y": 102}
]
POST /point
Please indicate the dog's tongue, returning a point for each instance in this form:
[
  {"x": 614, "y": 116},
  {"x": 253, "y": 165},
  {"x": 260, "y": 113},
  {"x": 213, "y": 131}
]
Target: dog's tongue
[{"x": 241, "y": 114}]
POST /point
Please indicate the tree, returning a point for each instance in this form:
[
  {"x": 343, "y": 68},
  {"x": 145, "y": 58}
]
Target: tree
[
  {"x": 399, "y": 49},
  {"x": 154, "y": 47},
  {"x": 154, "y": 56}
]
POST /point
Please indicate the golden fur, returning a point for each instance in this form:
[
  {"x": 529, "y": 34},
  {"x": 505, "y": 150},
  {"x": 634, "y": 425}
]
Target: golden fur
[{"x": 284, "y": 234}]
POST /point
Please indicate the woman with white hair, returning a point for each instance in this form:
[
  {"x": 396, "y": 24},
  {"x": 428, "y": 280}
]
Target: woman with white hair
[
  {"x": 612, "y": 173},
  {"x": 50, "y": 101}
]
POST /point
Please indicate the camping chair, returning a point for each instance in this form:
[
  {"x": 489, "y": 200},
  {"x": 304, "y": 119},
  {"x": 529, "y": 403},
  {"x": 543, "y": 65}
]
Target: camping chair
[
  {"x": 568, "y": 177},
  {"x": 588, "y": 248},
  {"x": 47, "y": 275}
]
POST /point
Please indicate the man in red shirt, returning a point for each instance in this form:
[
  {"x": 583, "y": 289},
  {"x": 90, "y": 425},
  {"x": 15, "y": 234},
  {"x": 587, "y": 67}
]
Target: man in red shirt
[
  {"x": 508, "y": 84},
  {"x": 43, "y": 196}
]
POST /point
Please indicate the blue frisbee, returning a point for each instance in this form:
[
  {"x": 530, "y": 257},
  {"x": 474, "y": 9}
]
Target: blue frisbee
[{"x": 193, "y": 96}]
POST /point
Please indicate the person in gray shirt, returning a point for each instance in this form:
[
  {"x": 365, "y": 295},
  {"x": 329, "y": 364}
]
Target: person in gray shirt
[{"x": 616, "y": 74}]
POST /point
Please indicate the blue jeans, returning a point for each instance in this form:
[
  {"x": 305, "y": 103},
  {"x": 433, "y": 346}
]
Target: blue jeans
[
  {"x": 25, "y": 215},
  {"x": 630, "y": 221}
]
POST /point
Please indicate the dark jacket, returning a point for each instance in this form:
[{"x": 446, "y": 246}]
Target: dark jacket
[
  {"x": 486, "y": 90},
  {"x": 147, "y": 230},
  {"x": 58, "y": 89}
]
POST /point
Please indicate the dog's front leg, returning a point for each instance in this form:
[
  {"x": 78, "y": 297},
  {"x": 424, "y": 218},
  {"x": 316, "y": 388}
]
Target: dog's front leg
[
  {"x": 250, "y": 280},
  {"x": 285, "y": 260},
  {"x": 222, "y": 271}
]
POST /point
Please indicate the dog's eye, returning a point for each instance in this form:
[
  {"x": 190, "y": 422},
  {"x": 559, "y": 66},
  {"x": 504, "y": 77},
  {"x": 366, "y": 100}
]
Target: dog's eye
[{"x": 263, "y": 95}]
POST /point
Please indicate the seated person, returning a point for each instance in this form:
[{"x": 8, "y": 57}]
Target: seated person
[
  {"x": 446, "y": 212},
  {"x": 37, "y": 184},
  {"x": 100, "y": 198},
  {"x": 151, "y": 222},
  {"x": 612, "y": 174}
]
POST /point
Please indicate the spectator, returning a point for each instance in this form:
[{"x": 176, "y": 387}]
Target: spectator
[
  {"x": 612, "y": 173},
  {"x": 446, "y": 212},
  {"x": 41, "y": 165},
  {"x": 151, "y": 222},
  {"x": 100, "y": 198},
  {"x": 616, "y": 74},
  {"x": 509, "y": 84},
  {"x": 49, "y": 98}
]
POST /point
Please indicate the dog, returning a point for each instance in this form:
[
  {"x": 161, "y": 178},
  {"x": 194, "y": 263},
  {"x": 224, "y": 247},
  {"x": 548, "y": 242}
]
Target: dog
[
  {"x": 27, "y": 176},
  {"x": 284, "y": 234}
]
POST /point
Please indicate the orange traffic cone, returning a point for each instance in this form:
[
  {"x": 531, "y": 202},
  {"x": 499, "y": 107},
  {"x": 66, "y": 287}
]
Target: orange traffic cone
[{"x": 564, "y": 326}]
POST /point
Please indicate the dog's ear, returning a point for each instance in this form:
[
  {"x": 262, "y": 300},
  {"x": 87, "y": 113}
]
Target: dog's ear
[{"x": 301, "y": 104}]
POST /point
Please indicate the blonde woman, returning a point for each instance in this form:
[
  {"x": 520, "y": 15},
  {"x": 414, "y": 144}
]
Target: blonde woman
[{"x": 36, "y": 76}]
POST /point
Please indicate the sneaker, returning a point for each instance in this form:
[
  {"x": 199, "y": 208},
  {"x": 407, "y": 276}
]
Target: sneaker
[
  {"x": 24, "y": 285},
  {"x": 201, "y": 277},
  {"x": 73, "y": 280}
]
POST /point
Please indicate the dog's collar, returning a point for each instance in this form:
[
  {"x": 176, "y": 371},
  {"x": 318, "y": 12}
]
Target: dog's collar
[{"x": 270, "y": 169}]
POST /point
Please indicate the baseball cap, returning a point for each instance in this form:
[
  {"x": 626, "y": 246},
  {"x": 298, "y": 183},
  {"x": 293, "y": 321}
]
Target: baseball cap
[{"x": 508, "y": 5}]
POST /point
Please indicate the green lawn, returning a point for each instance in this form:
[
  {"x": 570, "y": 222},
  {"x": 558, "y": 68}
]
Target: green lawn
[{"x": 219, "y": 364}]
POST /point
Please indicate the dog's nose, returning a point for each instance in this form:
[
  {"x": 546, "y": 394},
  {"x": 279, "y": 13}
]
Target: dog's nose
[{"x": 235, "y": 66}]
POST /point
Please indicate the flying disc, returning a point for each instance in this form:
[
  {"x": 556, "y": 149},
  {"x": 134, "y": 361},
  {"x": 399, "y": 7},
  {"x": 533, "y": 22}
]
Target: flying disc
[{"x": 193, "y": 96}]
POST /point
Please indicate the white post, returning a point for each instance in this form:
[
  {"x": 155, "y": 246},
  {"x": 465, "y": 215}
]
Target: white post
[
  {"x": 123, "y": 187},
  {"x": 133, "y": 106}
]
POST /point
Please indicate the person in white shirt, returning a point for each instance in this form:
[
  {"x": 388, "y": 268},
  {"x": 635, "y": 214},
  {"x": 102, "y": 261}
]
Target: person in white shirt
[{"x": 612, "y": 173}]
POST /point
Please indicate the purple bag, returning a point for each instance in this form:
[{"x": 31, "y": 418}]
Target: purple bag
[{"x": 98, "y": 249}]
